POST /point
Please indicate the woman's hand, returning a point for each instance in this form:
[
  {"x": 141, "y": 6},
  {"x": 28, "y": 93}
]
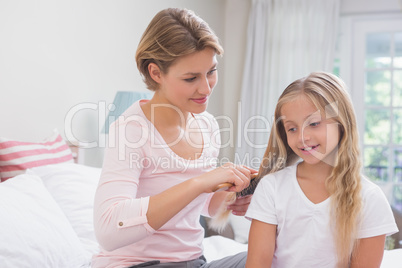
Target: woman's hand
[
  {"x": 237, "y": 175},
  {"x": 240, "y": 206}
]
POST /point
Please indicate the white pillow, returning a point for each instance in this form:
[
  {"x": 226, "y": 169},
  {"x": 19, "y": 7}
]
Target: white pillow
[
  {"x": 241, "y": 227},
  {"x": 217, "y": 247},
  {"x": 73, "y": 187},
  {"x": 34, "y": 231}
]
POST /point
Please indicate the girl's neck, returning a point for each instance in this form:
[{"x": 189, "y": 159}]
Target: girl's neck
[{"x": 320, "y": 171}]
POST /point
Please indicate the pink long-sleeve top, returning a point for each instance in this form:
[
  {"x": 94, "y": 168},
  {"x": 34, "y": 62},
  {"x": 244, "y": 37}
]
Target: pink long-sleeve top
[{"x": 139, "y": 164}]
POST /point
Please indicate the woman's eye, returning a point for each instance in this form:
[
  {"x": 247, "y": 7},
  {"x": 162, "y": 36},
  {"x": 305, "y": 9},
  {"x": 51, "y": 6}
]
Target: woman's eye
[
  {"x": 190, "y": 79},
  {"x": 211, "y": 72},
  {"x": 293, "y": 129},
  {"x": 315, "y": 124}
]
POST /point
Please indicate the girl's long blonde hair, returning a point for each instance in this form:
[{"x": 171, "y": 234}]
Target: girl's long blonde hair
[{"x": 328, "y": 93}]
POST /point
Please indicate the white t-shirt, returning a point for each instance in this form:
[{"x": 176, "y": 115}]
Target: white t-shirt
[{"x": 304, "y": 236}]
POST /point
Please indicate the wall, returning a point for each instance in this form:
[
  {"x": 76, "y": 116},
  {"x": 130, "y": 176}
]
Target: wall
[
  {"x": 57, "y": 56},
  {"x": 66, "y": 59},
  {"x": 235, "y": 41},
  {"x": 369, "y": 6}
]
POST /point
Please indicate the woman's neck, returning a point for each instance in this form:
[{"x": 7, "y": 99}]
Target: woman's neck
[{"x": 165, "y": 114}]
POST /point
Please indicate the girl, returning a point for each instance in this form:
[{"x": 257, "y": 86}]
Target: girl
[
  {"x": 319, "y": 211},
  {"x": 160, "y": 167}
]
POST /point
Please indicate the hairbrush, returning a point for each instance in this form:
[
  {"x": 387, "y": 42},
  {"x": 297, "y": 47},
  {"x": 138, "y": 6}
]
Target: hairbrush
[
  {"x": 246, "y": 191},
  {"x": 251, "y": 188},
  {"x": 219, "y": 221}
]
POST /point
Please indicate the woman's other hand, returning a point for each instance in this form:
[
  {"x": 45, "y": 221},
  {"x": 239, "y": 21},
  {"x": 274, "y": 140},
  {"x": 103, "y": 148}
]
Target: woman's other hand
[{"x": 240, "y": 206}]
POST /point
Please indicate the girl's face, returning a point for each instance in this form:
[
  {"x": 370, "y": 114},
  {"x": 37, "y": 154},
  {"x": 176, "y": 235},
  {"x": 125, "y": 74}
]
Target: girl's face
[
  {"x": 311, "y": 136},
  {"x": 189, "y": 81}
]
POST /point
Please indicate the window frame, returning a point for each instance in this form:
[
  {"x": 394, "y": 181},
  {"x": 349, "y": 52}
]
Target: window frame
[{"x": 352, "y": 54}]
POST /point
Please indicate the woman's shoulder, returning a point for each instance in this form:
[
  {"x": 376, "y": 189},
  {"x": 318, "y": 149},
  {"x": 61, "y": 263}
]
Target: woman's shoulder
[{"x": 133, "y": 115}]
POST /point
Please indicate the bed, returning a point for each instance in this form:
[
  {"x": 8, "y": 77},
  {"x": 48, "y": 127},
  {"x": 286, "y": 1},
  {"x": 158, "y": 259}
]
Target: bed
[{"x": 46, "y": 203}]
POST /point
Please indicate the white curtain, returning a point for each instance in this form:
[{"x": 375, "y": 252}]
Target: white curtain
[{"x": 287, "y": 39}]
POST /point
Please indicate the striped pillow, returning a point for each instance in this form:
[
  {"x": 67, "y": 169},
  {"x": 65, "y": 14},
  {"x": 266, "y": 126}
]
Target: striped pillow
[{"x": 17, "y": 156}]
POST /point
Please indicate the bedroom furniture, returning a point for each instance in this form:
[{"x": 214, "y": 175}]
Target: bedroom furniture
[
  {"x": 121, "y": 102},
  {"x": 398, "y": 236},
  {"x": 46, "y": 215}
]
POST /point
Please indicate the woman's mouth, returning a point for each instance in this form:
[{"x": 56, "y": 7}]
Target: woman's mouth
[{"x": 200, "y": 100}]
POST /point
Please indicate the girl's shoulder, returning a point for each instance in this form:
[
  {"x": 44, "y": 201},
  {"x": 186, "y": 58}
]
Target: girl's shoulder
[
  {"x": 283, "y": 176},
  {"x": 370, "y": 189},
  {"x": 285, "y": 172}
]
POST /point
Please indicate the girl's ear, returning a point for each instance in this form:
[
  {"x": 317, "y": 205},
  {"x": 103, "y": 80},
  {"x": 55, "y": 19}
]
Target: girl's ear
[{"x": 154, "y": 72}]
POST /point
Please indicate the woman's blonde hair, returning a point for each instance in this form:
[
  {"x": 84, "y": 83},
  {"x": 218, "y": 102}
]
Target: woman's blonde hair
[
  {"x": 328, "y": 93},
  {"x": 171, "y": 34}
]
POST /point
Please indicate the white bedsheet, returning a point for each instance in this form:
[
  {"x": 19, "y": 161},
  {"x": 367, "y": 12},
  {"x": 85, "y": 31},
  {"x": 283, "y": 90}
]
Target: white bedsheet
[{"x": 392, "y": 258}]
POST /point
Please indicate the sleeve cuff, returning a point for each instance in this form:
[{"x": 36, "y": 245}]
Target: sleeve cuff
[{"x": 139, "y": 220}]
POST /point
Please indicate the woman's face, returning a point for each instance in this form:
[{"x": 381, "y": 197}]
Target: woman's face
[{"x": 189, "y": 81}]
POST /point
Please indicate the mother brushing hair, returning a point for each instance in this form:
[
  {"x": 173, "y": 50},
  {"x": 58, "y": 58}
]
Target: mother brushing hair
[{"x": 159, "y": 170}]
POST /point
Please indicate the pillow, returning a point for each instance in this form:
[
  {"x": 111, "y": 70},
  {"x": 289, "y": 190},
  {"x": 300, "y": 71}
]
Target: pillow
[
  {"x": 241, "y": 227},
  {"x": 218, "y": 247},
  {"x": 34, "y": 231},
  {"x": 73, "y": 188},
  {"x": 17, "y": 156}
]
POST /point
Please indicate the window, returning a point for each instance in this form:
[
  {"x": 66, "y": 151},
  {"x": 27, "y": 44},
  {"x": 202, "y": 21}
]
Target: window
[
  {"x": 382, "y": 139},
  {"x": 375, "y": 82}
]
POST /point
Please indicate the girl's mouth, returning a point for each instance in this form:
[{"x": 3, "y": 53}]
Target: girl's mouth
[{"x": 309, "y": 149}]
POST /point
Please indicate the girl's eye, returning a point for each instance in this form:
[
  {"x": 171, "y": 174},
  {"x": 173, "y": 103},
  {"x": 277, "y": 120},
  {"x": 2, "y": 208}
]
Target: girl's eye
[
  {"x": 315, "y": 124},
  {"x": 293, "y": 129},
  {"x": 211, "y": 72},
  {"x": 190, "y": 79}
]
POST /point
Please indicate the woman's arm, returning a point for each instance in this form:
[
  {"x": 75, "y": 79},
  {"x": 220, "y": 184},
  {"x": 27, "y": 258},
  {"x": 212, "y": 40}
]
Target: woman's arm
[
  {"x": 162, "y": 207},
  {"x": 369, "y": 252},
  {"x": 120, "y": 219},
  {"x": 261, "y": 244}
]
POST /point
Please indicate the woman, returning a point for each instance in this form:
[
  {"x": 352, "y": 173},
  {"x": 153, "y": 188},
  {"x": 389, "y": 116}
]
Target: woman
[{"x": 160, "y": 170}]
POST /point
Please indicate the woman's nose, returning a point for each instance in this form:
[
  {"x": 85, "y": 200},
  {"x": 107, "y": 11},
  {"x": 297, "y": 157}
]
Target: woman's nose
[{"x": 206, "y": 86}]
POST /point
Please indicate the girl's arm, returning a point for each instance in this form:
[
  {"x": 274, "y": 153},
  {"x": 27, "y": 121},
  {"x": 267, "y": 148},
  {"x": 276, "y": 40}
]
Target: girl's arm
[
  {"x": 369, "y": 252},
  {"x": 261, "y": 244}
]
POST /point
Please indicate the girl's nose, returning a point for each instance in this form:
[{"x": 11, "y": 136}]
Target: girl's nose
[{"x": 304, "y": 135}]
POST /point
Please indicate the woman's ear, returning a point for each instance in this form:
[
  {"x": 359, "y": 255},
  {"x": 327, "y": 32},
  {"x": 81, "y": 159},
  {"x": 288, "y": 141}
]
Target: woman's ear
[{"x": 154, "y": 72}]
